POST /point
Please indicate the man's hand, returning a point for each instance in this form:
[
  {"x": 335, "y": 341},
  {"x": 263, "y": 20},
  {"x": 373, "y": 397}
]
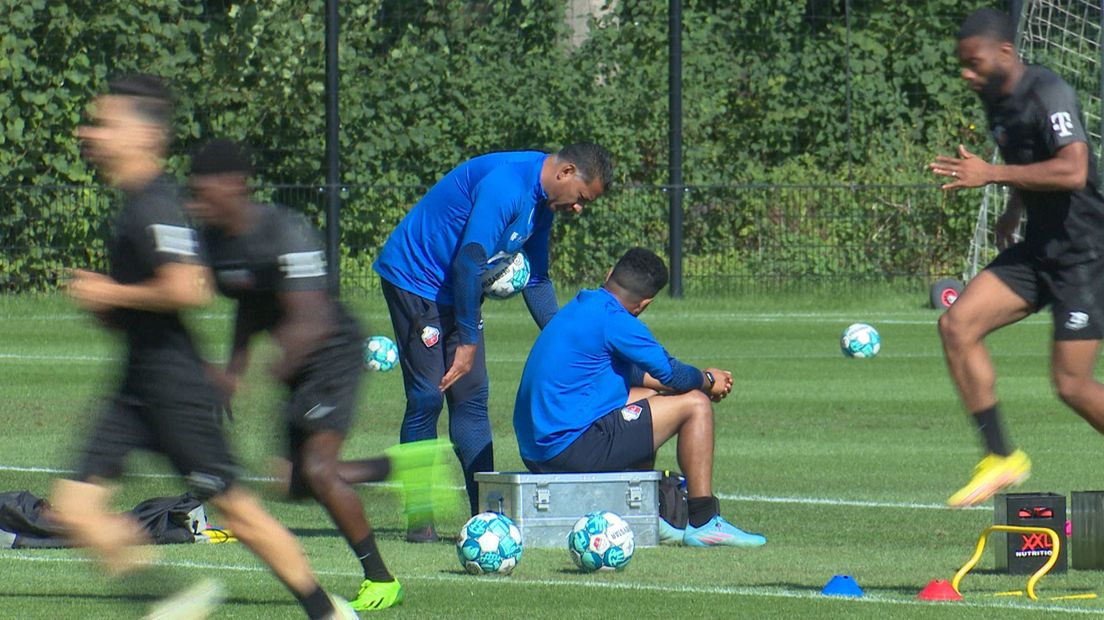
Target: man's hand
[
  {"x": 722, "y": 385},
  {"x": 91, "y": 291},
  {"x": 969, "y": 171},
  {"x": 462, "y": 363}
]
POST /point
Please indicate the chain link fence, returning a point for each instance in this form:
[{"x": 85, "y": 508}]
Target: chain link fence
[{"x": 737, "y": 239}]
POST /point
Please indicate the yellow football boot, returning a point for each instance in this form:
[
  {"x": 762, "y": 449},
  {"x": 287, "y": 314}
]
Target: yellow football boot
[{"x": 992, "y": 475}]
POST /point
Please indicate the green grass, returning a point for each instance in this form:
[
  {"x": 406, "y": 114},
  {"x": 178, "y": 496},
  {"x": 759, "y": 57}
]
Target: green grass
[{"x": 841, "y": 463}]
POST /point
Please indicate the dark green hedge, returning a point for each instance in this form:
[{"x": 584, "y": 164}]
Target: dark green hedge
[{"x": 428, "y": 83}]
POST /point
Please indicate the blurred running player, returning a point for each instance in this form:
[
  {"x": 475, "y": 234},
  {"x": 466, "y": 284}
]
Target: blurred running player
[
  {"x": 271, "y": 262},
  {"x": 165, "y": 401}
]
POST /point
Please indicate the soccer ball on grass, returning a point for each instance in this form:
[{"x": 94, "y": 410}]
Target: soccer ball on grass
[
  {"x": 601, "y": 540},
  {"x": 489, "y": 543},
  {"x": 380, "y": 353},
  {"x": 860, "y": 340}
]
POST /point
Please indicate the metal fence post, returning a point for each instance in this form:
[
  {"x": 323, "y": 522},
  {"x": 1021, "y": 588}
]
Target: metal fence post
[
  {"x": 675, "y": 188},
  {"x": 333, "y": 151}
]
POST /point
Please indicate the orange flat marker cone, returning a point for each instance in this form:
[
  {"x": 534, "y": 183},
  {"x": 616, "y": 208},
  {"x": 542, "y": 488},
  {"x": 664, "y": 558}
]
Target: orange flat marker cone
[{"x": 939, "y": 590}]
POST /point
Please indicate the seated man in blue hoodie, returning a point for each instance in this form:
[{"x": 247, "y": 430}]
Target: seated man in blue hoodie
[{"x": 600, "y": 394}]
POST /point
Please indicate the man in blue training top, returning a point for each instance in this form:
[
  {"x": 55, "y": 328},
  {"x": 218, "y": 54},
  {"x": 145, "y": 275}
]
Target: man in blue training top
[
  {"x": 599, "y": 393},
  {"x": 484, "y": 209}
]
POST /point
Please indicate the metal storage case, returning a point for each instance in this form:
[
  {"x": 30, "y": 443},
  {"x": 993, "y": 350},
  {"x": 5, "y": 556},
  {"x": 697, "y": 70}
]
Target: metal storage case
[{"x": 545, "y": 506}]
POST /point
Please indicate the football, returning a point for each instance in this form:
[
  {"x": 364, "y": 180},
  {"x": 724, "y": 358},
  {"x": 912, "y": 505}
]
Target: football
[
  {"x": 380, "y": 353},
  {"x": 489, "y": 544},
  {"x": 601, "y": 540},
  {"x": 506, "y": 277},
  {"x": 860, "y": 340}
]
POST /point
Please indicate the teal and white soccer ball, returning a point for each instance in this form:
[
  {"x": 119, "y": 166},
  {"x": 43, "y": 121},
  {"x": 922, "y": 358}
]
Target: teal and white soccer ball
[
  {"x": 489, "y": 544},
  {"x": 601, "y": 540},
  {"x": 860, "y": 340},
  {"x": 506, "y": 277},
  {"x": 380, "y": 353}
]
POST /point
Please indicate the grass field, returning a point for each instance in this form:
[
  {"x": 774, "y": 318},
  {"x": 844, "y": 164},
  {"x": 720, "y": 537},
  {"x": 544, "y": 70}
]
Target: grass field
[{"x": 842, "y": 464}]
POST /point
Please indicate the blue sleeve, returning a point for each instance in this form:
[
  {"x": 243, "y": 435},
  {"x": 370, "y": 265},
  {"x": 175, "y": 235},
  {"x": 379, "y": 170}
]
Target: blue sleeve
[
  {"x": 631, "y": 340},
  {"x": 536, "y": 250},
  {"x": 684, "y": 377},
  {"x": 466, "y": 290},
  {"x": 540, "y": 294},
  {"x": 496, "y": 199},
  {"x": 541, "y": 301}
]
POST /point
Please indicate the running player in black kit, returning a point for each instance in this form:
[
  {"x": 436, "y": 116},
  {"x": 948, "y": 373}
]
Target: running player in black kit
[
  {"x": 272, "y": 262},
  {"x": 1036, "y": 121},
  {"x": 165, "y": 402}
]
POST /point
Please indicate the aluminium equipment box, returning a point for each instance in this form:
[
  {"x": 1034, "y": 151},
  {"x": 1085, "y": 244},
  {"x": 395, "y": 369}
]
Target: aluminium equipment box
[{"x": 546, "y": 506}]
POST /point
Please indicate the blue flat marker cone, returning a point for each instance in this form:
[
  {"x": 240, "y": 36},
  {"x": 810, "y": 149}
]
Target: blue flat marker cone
[{"x": 842, "y": 585}]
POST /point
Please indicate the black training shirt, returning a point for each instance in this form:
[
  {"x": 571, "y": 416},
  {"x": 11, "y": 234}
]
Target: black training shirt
[
  {"x": 1030, "y": 125},
  {"x": 280, "y": 253},
  {"x": 152, "y": 231}
]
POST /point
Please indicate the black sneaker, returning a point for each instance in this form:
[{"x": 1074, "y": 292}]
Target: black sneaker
[{"x": 422, "y": 534}]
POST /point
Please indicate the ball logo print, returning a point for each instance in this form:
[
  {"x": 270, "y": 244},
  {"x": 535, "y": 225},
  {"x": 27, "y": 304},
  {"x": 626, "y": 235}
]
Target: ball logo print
[
  {"x": 601, "y": 540},
  {"x": 380, "y": 353},
  {"x": 860, "y": 340},
  {"x": 489, "y": 543},
  {"x": 506, "y": 276}
]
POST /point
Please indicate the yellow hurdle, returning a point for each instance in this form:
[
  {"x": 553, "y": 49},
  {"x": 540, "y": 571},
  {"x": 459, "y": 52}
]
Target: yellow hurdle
[{"x": 1012, "y": 529}]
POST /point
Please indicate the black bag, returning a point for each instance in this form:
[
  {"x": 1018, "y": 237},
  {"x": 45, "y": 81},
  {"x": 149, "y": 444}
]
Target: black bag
[
  {"x": 673, "y": 507},
  {"x": 27, "y": 518},
  {"x": 165, "y": 519}
]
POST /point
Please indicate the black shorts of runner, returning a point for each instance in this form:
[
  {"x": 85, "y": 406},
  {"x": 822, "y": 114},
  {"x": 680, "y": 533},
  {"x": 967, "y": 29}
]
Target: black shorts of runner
[
  {"x": 618, "y": 441},
  {"x": 1075, "y": 293},
  {"x": 185, "y": 427},
  {"x": 324, "y": 396},
  {"x": 325, "y": 390}
]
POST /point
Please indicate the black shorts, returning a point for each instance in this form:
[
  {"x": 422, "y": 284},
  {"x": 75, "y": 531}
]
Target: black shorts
[
  {"x": 618, "y": 441},
  {"x": 1075, "y": 293},
  {"x": 186, "y": 428},
  {"x": 324, "y": 392}
]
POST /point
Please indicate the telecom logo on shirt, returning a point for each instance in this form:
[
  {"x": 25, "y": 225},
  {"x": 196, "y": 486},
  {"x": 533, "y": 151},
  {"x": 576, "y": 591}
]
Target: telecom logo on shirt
[{"x": 1062, "y": 123}]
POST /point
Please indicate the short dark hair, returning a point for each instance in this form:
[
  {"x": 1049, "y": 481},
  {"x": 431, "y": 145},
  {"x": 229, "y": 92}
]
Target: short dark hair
[
  {"x": 591, "y": 160},
  {"x": 152, "y": 99},
  {"x": 221, "y": 156},
  {"x": 641, "y": 273},
  {"x": 989, "y": 23}
]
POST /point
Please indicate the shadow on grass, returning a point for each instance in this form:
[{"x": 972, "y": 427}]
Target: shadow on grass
[
  {"x": 140, "y": 598},
  {"x": 328, "y": 532}
]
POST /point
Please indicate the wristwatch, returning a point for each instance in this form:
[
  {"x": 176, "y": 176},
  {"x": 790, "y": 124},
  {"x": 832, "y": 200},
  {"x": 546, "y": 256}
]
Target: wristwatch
[{"x": 711, "y": 379}]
